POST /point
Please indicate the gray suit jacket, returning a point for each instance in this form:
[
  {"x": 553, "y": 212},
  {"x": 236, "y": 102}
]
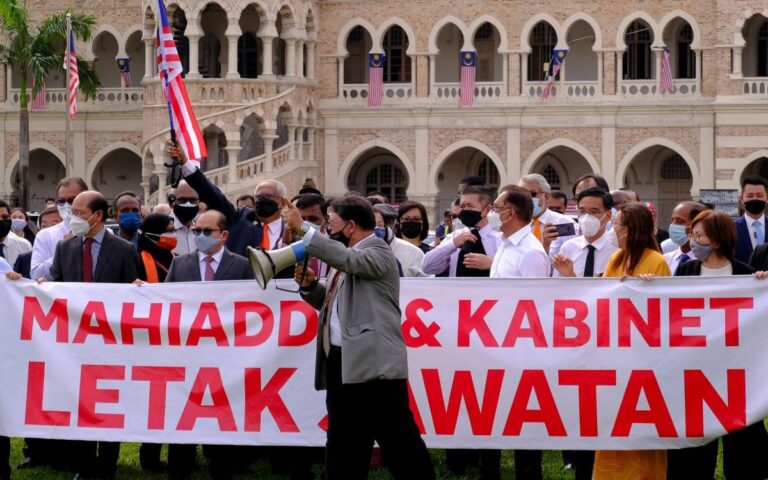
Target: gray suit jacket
[
  {"x": 118, "y": 261},
  {"x": 369, "y": 311},
  {"x": 186, "y": 268}
]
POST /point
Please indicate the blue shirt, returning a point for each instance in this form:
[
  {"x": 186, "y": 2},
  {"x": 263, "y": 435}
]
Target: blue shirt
[{"x": 96, "y": 248}]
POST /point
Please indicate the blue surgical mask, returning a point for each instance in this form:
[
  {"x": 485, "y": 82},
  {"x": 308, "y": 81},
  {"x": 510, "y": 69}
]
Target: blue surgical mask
[
  {"x": 677, "y": 233},
  {"x": 205, "y": 243},
  {"x": 701, "y": 252},
  {"x": 130, "y": 221},
  {"x": 536, "y": 209},
  {"x": 18, "y": 224}
]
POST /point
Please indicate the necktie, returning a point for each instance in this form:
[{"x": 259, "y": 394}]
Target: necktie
[
  {"x": 330, "y": 296},
  {"x": 2, "y": 250},
  {"x": 537, "y": 228},
  {"x": 265, "y": 236},
  {"x": 471, "y": 247},
  {"x": 87, "y": 260},
  {"x": 209, "y": 273},
  {"x": 759, "y": 233},
  {"x": 589, "y": 265},
  {"x": 683, "y": 258}
]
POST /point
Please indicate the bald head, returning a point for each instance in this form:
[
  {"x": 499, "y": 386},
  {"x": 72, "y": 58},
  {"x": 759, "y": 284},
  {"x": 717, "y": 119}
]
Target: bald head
[
  {"x": 93, "y": 207},
  {"x": 184, "y": 191},
  {"x": 212, "y": 218}
]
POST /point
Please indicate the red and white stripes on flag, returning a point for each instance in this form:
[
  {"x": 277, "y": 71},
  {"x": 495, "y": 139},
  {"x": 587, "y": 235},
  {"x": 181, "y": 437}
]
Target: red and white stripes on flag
[
  {"x": 467, "y": 84},
  {"x": 375, "y": 79},
  {"x": 38, "y": 102},
  {"x": 665, "y": 80},
  {"x": 181, "y": 116},
  {"x": 558, "y": 57},
  {"x": 123, "y": 64},
  {"x": 70, "y": 64}
]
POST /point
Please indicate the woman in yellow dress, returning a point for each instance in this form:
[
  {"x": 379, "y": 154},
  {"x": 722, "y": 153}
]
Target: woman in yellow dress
[{"x": 639, "y": 256}]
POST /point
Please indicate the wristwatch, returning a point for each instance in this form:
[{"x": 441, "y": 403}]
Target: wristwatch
[{"x": 305, "y": 226}]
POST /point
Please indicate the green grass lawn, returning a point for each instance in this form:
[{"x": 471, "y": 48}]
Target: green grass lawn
[{"x": 129, "y": 468}]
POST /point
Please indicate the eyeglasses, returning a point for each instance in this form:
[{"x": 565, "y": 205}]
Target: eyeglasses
[
  {"x": 60, "y": 202},
  {"x": 534, "y": 194},
  {"x": 205, "y": 231},
  {"x": 183, "y": 200}
]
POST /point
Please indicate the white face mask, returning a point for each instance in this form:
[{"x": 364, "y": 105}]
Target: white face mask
[
  {"x": 613, "y": 238},
  {"x": 64, "y": 210},
  {"x": 590, "y": 225},
  {"x": 78, "y": 226}
]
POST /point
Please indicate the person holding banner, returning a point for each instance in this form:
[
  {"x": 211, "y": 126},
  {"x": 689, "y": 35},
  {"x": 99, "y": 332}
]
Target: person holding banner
[
  {"x": 361, "y": 356},
  {"x": 713, "y": 240},
  {"x": 639, "y": 256}
]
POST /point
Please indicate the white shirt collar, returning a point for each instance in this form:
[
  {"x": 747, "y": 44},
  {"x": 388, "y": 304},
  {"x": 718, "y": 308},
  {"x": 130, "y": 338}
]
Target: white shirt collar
[
  {"x": 751, "y": 221},
  {"x": 599, "y": 244},
  {"x": 216, "y": 256},
  {"x": 679, "y": 253},
  {"x": 519, "y": 235}
]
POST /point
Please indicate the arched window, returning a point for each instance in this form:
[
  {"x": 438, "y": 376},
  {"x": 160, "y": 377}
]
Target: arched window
[
  {"x": 762, "y": 50},
  {"x": 251, "y": 141},
  {"x": 356, "y": 64},
  {"x": 686, "y": 59},
  {"x": 489, "y": 61},
  {"x": 389, "y": 180},
  {"x": 154, "y": 183},
  {"x": 281, "y": 132},
  {"x": 397, "y": 65},
  {"x": 543, "y": 40},
  {"x": 488, "y": 172},
  {"x": 248, "y": 55},
  {"x": 552, "y": 177},
  {"x": 675, "y": 168},
  {"x": 637, "y": 58},
  {"x": 178, "y": 25}
]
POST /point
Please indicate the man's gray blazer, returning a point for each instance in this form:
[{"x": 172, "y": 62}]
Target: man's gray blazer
[
  {"x": 368, "y": 307},
  {"x": 186, "y": 268}
]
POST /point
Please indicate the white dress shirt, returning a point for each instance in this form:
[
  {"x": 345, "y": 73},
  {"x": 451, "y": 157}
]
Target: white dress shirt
[
  {"x": 276, "y": 232},
  {"x": 410, "y": 257},
  {"x": 45, "y": 247},
  {"x": 555, "y": 218},
  {"x": 446, "y": 255},
  {"x": 520, "y": 255},
  {"x": 576, "y": 250},
  {"x": 668, "y": 246},
  {"x": 673, "y": 258},
  {"x": 13, "y": 246},
  {"x": 214, "y": 264},
  {"x": 752, "y": 233}
]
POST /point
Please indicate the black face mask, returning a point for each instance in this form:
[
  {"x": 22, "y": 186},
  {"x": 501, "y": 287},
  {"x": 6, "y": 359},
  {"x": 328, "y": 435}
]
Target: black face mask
[
  {"x": 755, "y": 206},
  {"x": 340, "y": 237},
  {"x": 185, "y": 214},
  {"x": 470, "y": 218},
  {"x": 410, "y": 229},
  {"x": 5, "y": 227},
  {"x": 265, "y": 207}
]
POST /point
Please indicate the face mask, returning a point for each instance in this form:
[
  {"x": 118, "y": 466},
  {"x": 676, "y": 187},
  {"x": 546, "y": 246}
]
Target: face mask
[
  {"x": 130, "y": 221},
  {"x": 340, "y": 237},
  {"x": 18, "y": 224},
  {"x": 701, "y": 252},
  {"x": 410, "y": 229},
  {"x": 265, "y": 207},
  {"x": 677, "y": 234},
  {"x": 186, "y": 212},
  {"x": 80, "y": 227},
  {"x": 5, "y": 227},
  {"x": 470, "y": 218},
  {"x": 589, "y": 225},
  {"x": 166, "y": 241},
  {"x": 613, "y": 238},
  {"x": 755, "y": 207},
  {"x": 64, "y": 210},
  {"x": 205, "y": 243},
  {"x": 536, "y": 209}
]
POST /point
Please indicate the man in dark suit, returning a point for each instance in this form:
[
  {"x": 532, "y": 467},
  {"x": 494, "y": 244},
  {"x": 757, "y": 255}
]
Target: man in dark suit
[
  {"x": 361, "y": 355},
  {"x": 94, "y": 255},
  {"x": 211, "y": 262},
  {"x": 751, "y": 227}
]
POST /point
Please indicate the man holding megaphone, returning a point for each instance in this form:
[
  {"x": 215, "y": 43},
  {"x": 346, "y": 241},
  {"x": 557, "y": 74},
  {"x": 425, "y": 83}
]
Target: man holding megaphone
[{"x": 361, "y": 356}]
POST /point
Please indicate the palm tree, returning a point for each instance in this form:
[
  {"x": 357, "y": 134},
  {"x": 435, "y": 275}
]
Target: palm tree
[{"x": 34, "y": 53}]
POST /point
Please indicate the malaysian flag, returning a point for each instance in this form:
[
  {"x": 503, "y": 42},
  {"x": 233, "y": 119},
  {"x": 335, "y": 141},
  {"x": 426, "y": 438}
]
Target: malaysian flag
[
  {"x": 70, "y": 65},
  {"x": 665, "y": 82},
  {"x": 181, "y": 116},
  {"x": 467, "y": 85},
  {"x": 375, "y": 79},
  {"x": 558, "y": 57},
  {"x": 123, "y": 64},
  {"x": 38, "y": 102}
]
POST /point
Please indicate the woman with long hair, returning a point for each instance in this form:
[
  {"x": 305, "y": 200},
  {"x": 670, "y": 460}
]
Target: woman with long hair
[{"x": 639, "y": 256}]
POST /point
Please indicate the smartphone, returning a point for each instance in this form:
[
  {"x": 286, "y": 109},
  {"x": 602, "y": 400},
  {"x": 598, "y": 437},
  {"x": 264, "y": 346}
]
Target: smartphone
[{"x": 565, "y": 229}]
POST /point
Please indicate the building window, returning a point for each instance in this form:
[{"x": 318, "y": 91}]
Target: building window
[
  {"x": 552, "y": 177},
  {"x": 675, "y": 168},
  {"x": 397, "y": 65},
  {"x": 543, "y": 41},
  {"x": 686, "y": 59},
  {"x": 389, "y": 180},
  {"x": 248, "y": 56},
  {"x": 762, "y": 50},
  {"x": 637, "y": 58},
  {"x": 488, "y": 172}
]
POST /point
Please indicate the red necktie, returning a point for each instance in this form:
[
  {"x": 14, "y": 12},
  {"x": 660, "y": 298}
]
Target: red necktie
[{"x": 87, "y": 260}]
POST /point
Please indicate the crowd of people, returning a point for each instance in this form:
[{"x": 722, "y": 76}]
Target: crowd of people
[{"x": 360, "y": 246}]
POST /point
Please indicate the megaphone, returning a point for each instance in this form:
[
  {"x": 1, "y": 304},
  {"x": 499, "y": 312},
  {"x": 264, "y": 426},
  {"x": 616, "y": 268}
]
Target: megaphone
[{"x": 267, "y": 264}]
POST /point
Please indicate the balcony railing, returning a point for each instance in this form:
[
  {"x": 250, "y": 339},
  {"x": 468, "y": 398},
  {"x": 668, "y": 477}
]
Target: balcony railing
[
  {"x": 55, "y": 98},
  {"x": 756, "y": 86},
  {"x": 394, "y": 91},
  {"x": 483, "y": 90},
  {"x": 639, "y": 88},
  {"x": 577, "y": 90}
]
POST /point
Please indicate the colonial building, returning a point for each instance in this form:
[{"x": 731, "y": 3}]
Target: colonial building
[{"x": 280, "y": 89}]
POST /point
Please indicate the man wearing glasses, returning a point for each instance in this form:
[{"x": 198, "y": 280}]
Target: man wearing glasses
[{"x": 186, "y": 209}]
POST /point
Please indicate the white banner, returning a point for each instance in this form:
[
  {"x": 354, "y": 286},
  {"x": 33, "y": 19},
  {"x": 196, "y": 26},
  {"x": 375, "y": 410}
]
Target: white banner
[{"x": 541, "y": 363}]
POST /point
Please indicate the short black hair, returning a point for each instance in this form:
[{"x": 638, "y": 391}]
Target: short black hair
[
  {"x": 246, "y": 197},
  {"x": 601, "y": 182},
  {"x": 66, "y": 181},
  {"x": 599, "y": 193},
  {"x": 520, "y": 199},
  {"x": 754, "y": 180},
  {"x": 309, "y": 200},
  {"x": 126, "y": 193},
  {"x": 485, "y": 194},
  {"x": 6, "y": 205},
  {"x": 99, "y": 204},
  {"x": 559, "y": 195},
  {"x": 471, "y": 181},
  {"x": 355, "y": 208}
]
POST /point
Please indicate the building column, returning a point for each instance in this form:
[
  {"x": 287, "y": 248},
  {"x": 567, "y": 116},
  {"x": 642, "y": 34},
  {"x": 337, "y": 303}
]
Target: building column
[
  {"x": 311, "y": 139},
  {"x": 505, "y": 73},
  {"x": 233, "y": 34},
  {"x": 145, "y": 188},
  {"x": 269, "y": 136},
  {"x": 699, "y": 80},
  {"x": 149, "y": 57},
  {"x": 233, "y": 149},
  {"x": 658, "y": 54},
  {"x": 513, "y": 155},
  {"x": 162, "y": 180},
  {"x": 333, "y": 184},
  {"x": 619, "y": 71},
  {"x": 311, "y": 60},
  {"x": 706, "y": 157},
  {"x": 599, "y": 73},
  {"x": 523, "y": 73},
  {"x": 291, "y": 142},
  {"x": 300, "y": 151},
  {"x": 608, "y": 155},
  {"x": 290, "y": 57},
  {"x": 266, "y": 55},
  {"x": 194, "y": 55},
  {"x": 432, "y": 74},
  {"x": 340, "y": 65},
  {"x": 300, "y": 58},
  {"x": 736, "y": 71}
]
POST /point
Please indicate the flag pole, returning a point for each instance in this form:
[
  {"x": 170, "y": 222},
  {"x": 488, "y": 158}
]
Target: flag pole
[
  {"x": 175, "y": 165},
  {"x": 66, "y": 98}
]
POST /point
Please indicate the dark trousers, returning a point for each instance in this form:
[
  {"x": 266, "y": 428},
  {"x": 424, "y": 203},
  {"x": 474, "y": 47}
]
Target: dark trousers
[
  {"x": 181, "y": 461},
  {"x": 488, "y": 462},
  {"x": 54, "y": 453},
  {"x": 5, "y": 457},
  {"x": 149, "y": 456},
  {"x": 583, "y": 462},
  {"x": 528, "y": 465},
  {"x": 295, "y": 462},
  {"x": 95, "y": 459},
  {"x": 360, "y": 413},
  {"x": 743, "y": 457}
]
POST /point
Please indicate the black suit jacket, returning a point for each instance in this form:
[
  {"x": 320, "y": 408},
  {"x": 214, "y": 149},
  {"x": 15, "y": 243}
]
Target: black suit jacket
[
  {"x": 743, "y": 242},
  {"x": 186, "y": 268},
  {"x": 692, "y": 268},
  {"x": 759, "y": 258},
  {"x": 118, "y": 261},
  {"x": 23, "y": 264}
]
